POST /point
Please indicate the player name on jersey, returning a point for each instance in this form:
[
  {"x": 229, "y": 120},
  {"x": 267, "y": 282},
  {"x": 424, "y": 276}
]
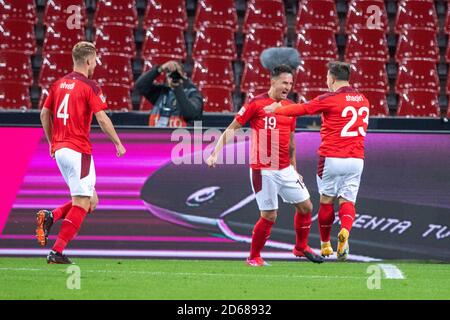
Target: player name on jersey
[{"x": 67, "y": 86}]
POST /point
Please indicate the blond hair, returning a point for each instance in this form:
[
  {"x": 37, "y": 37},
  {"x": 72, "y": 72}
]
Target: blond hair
[{"x": 83, "y": 50}]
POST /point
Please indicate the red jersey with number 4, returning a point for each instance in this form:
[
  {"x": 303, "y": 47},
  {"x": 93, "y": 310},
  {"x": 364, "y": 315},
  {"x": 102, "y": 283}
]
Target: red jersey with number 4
[
  {"x": 271, "y": 133},
  {"x": 73, "y": 100},
  {"x": 345, "y": 117}
]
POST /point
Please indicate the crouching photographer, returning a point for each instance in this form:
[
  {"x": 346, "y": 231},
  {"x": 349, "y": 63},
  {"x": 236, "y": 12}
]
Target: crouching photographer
[{"x": 177, "y": 102}]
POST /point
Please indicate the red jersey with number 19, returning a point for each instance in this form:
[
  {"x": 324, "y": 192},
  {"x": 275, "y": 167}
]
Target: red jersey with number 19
[
  {"x": 270, "y": 133},
  {"x": 345, "y": 117},
  {"x": 73, "y": 100}
]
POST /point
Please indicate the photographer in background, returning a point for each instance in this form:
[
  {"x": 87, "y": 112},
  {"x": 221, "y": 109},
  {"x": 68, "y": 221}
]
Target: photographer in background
[{"x": 177, "y": 103}]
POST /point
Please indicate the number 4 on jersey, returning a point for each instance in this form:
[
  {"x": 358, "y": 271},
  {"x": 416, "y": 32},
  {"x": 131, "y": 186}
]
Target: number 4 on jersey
[{"x": 62, "y": 110}]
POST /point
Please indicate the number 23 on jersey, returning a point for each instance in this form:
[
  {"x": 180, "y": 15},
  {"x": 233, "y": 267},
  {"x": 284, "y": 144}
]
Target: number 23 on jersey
[{"x": 362, "y": 112}]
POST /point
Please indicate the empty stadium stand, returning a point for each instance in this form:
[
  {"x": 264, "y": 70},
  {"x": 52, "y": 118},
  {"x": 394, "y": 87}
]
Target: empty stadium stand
[{"x": 398, "y": 49}]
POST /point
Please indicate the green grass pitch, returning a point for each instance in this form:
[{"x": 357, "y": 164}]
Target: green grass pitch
[{"x": 32, "y": 278}]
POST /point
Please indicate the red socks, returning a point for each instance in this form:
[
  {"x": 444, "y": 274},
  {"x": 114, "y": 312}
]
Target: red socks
[
  {"x": 326, "y": 219},
  {"x": 62, "y": 211},
  {"x": 261, "y": 232},
  {"x": 69, "y": 227},
  {"x": 347, "y": 215},
  {"x": 302, "y": 225}
]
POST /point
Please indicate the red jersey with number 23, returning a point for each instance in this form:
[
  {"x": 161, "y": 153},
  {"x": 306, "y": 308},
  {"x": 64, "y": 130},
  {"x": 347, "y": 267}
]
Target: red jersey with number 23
[
  {"x": 345, "y": 117},
  {"x": 73, "y": 100},
  {"x": 263, "y": 138}
]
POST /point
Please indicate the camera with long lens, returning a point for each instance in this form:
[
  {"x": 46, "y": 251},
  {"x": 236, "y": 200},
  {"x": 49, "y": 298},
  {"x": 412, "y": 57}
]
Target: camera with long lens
[{"x": 175, "y": 76}]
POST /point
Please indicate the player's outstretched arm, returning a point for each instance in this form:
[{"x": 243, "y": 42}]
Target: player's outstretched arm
[
  {"x": 108, "y": 128},
  {"x": 46, "y": 120},
  {"x": 223, "y": 140},
  {"x": 292, "y": 110}
]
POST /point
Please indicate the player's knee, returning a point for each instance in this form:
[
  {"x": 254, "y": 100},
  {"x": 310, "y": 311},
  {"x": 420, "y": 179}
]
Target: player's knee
[
  {"x": 94, "y": 203},
  {"x": 305, "y": 207},
  {"x": 83, "y": 202},
  {"x": 269, "y": 215}
]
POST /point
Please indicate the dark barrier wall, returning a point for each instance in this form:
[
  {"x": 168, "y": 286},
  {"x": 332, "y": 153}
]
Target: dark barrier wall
[{"x": 150, "y": 206}]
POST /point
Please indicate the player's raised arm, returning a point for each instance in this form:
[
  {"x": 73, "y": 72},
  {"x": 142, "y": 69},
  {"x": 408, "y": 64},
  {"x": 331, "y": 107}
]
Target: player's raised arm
[
  {"x": 223, "y": 140},
  {"x": 108, "y": 128}
]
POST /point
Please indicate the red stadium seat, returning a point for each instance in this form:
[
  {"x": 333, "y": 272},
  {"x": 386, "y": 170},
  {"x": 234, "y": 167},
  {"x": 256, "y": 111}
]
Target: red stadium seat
[
  {"x": 369, "y": 74},
  {"x": 417, "y": 43},
  {"x": 217, "y": 99},
  {"x": 317, "y": 43},
  {"x": 16, "y": 35},
  {"x": 370, "y": 14},
  {"x": 317, "y": 13},
  {"x": 378, "y": 103},
  {"x": 212, "y": 13},
  {"x": 14, "y": 96},
  {"x": 417, "y": 74},
  {"x": 447, "y": 54},
  {"x": 54, "y": 67},
  {"x": 115, "y": 39},
  {"x": 71, "y": 11},
  {"x": 265, "y": 13},
  {"x": 117, "y": 12},
  {"x": 145, "y": 105},
  {"x": 254, "y": 92},
  {"x": 418, "y": 103},
  {"x": 416, "y": 14},
  {"x": 164, "y": 41},
  {"x": 213, "y": 72},
  {"x": 367, "y": 43},
  {"x": 114, "y": 69},
  {"x": 15, "y": 67},
  {"x": 171, "y": 13},
  {"x": 117, "y": 97},
  {"x": 19, "y": 10},
  {"x": 447, "y": 20},
  {"x": 310, "y": 94},
  {"x": 58, "y": 38},
  {"x": 254, "y": 76},
  {"x": 214, "y": 42},
  {"x": 258, "y": 39},
  {"x": 311, "y": 74}
]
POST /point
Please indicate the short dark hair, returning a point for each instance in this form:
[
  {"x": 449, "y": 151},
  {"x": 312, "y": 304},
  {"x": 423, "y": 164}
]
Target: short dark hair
[
  {"x": 340, "y": 70},
  {"x": 281, "y": 69}
]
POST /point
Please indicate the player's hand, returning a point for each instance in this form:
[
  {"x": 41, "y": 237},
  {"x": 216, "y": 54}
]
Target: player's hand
[
  {"x": 120, "y": 150},
  {"x": 272, "y": 107},
  {"x": 211, "y": 161},
  {"x": 52, "y": 154}
]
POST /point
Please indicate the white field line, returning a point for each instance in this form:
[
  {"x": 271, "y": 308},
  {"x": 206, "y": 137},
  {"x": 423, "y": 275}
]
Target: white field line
[
  {"x": 166, "y": 254},
  {"x": 193, "y": 274},
  {"x": 391, "y": 271}
]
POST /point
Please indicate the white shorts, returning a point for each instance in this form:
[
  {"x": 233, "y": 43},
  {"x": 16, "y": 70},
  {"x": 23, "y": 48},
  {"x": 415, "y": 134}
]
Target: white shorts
[
  {"x": 78, "y": 171},
  {"x": 339, "y": 177},
  {"x": 268, "y": 184}
]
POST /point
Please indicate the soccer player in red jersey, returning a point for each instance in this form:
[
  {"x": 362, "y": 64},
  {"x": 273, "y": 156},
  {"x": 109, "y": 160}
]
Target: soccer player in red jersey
[
  {"x": 277, "y": 175},
  {"x": 66, "y": 118},
  {"x": 345, "y": 118}
]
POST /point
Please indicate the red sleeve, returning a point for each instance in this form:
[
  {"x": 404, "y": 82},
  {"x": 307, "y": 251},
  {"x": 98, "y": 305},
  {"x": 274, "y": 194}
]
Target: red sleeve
[
  {"x": 315, "y": 106},
  {"x": 48, "y": 103},
  {"x": 245, "y": 114},
  {"x": 97, "y": 101},
  {"x": 291, "y": 110}
]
